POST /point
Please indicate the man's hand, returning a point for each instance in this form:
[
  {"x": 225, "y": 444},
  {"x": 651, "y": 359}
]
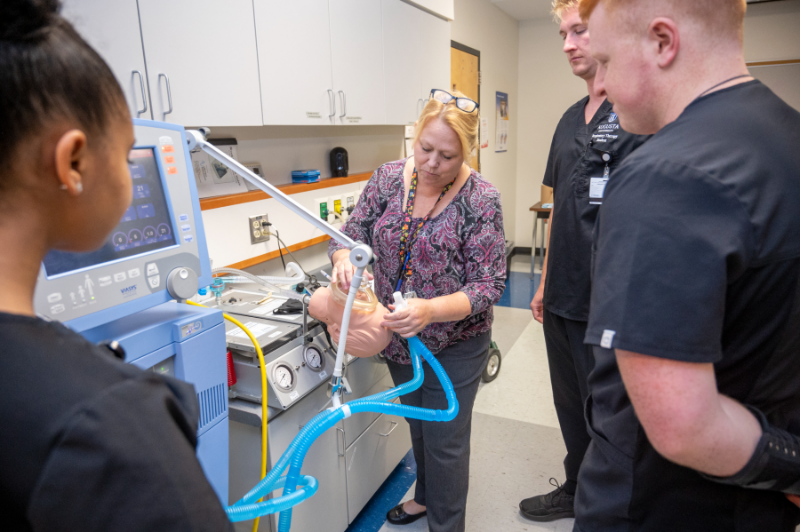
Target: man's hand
[
  {"x": 411, "y": 320},
  {"x": 537, "y": 305},
  {"x": 794, "y": 498}
]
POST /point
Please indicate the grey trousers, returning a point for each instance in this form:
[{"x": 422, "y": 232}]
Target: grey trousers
[{"x": 442, "y": 449}]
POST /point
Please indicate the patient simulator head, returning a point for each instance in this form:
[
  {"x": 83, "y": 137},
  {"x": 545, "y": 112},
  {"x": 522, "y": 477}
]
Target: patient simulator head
[{"x": 365, "y": 336}]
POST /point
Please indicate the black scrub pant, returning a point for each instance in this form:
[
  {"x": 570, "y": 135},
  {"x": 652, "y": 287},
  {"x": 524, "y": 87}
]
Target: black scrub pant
[
  {"x": 570, "y": 362},
  {"x": 441, "y": 449}
]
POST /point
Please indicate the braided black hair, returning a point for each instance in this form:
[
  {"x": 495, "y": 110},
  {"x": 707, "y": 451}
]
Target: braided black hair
[{"x": 48, "y": 72}]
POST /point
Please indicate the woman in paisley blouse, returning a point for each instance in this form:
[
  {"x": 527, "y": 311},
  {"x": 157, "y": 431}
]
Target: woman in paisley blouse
[{"x": 436, "y": 228}]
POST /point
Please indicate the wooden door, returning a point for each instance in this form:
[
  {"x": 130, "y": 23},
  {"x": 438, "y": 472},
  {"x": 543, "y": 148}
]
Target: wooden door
[{"x": 465, "y": 77}]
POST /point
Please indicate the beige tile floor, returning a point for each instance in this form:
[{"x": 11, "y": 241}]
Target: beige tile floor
[{"x": 516, "y": 444}]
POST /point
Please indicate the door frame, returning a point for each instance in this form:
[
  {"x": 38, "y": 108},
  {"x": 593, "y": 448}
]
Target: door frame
[{"x": 477, "y": 53}]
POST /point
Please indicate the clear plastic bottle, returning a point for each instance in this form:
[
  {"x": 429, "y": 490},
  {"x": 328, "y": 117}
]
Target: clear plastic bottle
[{"x": 366, "y": 300}]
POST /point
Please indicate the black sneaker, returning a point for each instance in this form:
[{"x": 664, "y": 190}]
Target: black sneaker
[{"x": 557, "y": 504}]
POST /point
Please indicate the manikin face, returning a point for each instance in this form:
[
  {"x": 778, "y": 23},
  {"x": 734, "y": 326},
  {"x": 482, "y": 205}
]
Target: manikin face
[
  {"x": 438, "y": 154},
  {"x": 576, "y": 44},
  {"x": 365, "y": 336},
  {"x": 625, "y": 72}
]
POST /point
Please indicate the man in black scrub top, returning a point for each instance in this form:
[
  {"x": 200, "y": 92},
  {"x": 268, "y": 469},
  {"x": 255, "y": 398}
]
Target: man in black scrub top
[
  {"x": 587, "y": 147},
  {"x": 694, "y": 409}
]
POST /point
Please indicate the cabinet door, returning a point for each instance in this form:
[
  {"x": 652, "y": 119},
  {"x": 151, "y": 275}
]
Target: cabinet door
[
  {"x": 357, "y": 51},
  {"x": 402, "y": 58},
  {"x": 294, "y": 43},
  {"x": 112, "y": 28},
  {"x": 434, "y": 71},
  {"x": 202, "y": 54},
  {"x": 373, "y": 457}
]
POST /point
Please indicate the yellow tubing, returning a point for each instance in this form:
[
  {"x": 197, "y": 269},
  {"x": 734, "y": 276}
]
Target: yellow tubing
[{"x": 263, "y": 394}]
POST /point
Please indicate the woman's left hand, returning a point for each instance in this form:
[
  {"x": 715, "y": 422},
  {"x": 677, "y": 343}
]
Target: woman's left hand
[{"x": 410, "y": 320}]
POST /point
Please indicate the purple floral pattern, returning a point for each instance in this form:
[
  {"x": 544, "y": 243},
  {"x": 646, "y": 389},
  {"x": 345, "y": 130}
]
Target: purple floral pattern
[{"x": 460, "y": 249}]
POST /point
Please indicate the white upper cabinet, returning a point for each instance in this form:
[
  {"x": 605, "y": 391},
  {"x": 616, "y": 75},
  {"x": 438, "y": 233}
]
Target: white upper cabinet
[
  {"x": 443, "y": 8},
  {"x": 112, "y": 28},
  {"x": 294, "y": 45},
  {"x": 357, "y": 52},
  {"x": 416, "y": 48},
  {"x": 401, "y": 60},
  {"x": 434, "y": 68},
  {"x": 274, "y": 62},
  {"x": 202, "y": 61}
]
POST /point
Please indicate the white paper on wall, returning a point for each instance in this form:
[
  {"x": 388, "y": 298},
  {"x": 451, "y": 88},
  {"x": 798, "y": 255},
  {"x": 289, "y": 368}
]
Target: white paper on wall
[{"x": 214, "y": 178}]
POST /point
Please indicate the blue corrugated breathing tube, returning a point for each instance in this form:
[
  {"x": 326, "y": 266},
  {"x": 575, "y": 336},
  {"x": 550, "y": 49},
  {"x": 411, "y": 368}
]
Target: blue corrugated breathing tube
[{"x": 297, "y": 487}]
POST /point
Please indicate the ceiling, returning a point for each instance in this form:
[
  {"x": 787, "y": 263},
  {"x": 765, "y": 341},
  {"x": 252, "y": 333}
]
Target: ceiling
[{"x": 525, "y": 9}]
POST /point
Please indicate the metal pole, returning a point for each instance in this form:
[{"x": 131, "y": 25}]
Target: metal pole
[{"x": 196, "y": 139}]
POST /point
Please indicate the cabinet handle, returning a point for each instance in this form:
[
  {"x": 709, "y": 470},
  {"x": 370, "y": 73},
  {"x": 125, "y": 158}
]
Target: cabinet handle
[
  {"x": 394, "y": 426},
  {"x": 344, "y": 104},
  {"x": 344, "y": 442},
  {"x": 169, "y": 92},
  {"x": 144, "y": 96},
  {"x": 332, "y": 103}
]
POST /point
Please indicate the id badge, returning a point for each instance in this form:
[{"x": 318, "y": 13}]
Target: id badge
[{"x": 597, "y": 187}]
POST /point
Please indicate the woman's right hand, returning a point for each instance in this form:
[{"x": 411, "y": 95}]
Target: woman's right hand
[{"x": 343, "y": 270}]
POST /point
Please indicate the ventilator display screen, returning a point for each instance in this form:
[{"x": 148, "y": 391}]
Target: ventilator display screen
[{"x": 146, "y": 225}]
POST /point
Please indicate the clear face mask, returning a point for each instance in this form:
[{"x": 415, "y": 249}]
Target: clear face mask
[{"x": 366, "y": 300}]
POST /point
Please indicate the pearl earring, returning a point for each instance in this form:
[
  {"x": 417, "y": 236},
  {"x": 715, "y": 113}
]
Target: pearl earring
[{"x": 78, "y": 187}]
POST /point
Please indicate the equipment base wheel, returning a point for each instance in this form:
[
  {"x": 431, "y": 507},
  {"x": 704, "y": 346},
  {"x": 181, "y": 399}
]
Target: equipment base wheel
[{"x": 492, "y": 369}]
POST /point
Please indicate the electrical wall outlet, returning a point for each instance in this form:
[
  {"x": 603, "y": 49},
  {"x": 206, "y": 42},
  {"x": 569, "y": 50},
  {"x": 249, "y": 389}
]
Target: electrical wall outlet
[
  {"x": 259, "y": 231},
  {"x": 322, "y": 208}
]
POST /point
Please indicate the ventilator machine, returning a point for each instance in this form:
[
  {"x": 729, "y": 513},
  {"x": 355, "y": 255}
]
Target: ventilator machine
[{"x": 132, "y": 295}]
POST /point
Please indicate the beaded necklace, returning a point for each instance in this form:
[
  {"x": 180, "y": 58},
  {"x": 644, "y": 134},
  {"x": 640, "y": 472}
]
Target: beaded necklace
[{"x": 406, "y": 239}]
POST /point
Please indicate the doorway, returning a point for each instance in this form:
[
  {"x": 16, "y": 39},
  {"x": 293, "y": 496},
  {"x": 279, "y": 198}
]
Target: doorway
[{"x": 465, "y": 68}]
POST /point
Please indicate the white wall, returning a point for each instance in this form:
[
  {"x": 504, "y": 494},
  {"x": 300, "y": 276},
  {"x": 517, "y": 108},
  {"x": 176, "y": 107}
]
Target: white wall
[
  {"x": 281, "y": 150},
  {"x": 479, "y": 24},
  {"x": 228, "y": 234},
  {"x": 547, "y": 88},
  {"x": 772, "y": 31}
]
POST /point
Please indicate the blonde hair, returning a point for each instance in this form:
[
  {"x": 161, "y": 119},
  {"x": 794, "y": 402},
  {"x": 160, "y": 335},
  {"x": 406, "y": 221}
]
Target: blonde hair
[
  {"x": 561, "y": 6},
  {"x": 718, "y": 16},
  {"x": 465, "y": 125}
]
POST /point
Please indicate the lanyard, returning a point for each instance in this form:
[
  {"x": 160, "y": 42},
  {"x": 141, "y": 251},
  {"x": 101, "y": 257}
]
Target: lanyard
[
  {"x": 407, "y": 238},
  {"x": 723, "y": 83}
]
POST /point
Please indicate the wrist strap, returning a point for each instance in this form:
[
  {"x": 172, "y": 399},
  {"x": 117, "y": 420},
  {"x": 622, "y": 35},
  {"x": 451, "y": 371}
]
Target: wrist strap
[{"x": 775, "y": 464}]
